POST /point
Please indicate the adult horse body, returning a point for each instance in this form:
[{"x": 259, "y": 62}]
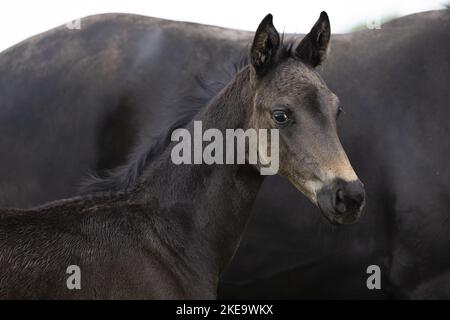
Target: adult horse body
[{"x": 74, "y": 101}]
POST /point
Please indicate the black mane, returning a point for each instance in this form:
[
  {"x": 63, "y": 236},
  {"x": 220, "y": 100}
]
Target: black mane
[{"x": 125, "y": 176}]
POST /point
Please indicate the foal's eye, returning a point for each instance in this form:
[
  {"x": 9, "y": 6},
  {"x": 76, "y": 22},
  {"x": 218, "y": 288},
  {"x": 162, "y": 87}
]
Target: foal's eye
[{"x": 280, "y": 117}]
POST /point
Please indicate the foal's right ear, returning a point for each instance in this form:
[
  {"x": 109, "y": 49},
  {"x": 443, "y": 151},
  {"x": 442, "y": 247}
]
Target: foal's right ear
[{"x": 265, "y": 45}]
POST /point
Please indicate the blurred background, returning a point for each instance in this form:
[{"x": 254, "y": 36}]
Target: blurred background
[{"x": 20, "y": 19}]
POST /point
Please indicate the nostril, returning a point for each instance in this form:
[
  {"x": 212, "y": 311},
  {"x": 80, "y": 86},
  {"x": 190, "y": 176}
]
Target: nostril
[
  {"x": 340, "y": 195},
  {"x": 340, "y": 203},
  {"x": 349, "y": 198}
]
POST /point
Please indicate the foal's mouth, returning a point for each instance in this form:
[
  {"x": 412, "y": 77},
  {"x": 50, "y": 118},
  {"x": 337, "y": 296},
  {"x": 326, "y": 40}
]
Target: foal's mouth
[
  {"x": 338, "y": 219},
  {"x": 340, "y": 201}
]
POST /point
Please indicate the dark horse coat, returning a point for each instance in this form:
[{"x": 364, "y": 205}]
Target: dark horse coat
[{"x": 80, "y": 100}]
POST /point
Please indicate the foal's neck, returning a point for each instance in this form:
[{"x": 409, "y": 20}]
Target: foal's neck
[{"x": 217, "y": 198}]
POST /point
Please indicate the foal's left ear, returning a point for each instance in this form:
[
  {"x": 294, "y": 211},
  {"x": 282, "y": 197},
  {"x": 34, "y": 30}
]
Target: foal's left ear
[
  {"x": 265, "y": 45},
  {"x": 312, "y": 49}
]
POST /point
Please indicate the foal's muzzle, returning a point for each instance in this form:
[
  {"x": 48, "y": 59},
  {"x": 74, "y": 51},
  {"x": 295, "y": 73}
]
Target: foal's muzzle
[{"x": 341, "y": 201}]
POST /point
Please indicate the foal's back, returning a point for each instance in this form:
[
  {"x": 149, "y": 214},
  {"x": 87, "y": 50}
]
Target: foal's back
[{"x": 104, "y": 235}]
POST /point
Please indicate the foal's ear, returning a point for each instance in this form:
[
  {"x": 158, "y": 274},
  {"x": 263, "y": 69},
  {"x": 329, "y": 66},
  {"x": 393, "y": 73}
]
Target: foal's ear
[
  {"x": 265, "y": 45},
  {"x": 312, "y": 49}
]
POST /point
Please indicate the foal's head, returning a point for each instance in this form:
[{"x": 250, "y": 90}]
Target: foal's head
[{"x": 291, "y": 96}]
